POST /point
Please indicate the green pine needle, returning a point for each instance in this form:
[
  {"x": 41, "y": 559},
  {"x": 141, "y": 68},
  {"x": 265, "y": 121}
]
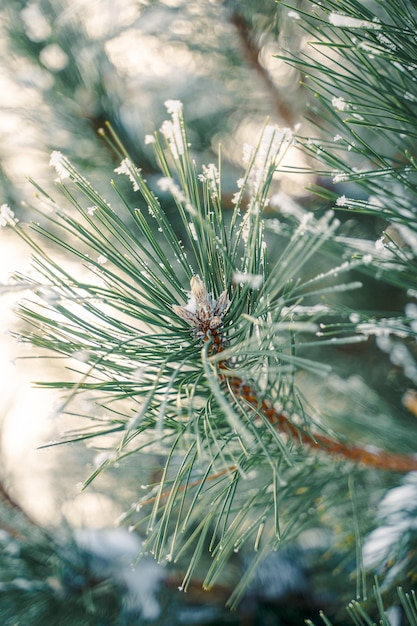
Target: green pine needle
[{"x": 119, "y": 312}]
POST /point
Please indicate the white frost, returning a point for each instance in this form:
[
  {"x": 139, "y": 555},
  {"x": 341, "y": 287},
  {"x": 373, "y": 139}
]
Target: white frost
[
  {"x": 126, "y": 167},
  {"x": 344, "y": 21},
  {"x": 339, "y": 103},
  {"x": 7, "y": 217},
  {"x": 60, "y": 163},
  {"x": 172, "y": 129}
]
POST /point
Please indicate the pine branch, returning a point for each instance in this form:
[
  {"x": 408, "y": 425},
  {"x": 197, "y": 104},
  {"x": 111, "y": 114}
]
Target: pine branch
[{"x": 233, "y": 465}]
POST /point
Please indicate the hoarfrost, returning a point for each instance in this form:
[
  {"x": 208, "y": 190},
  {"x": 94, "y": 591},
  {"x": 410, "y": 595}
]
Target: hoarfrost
[
  {"x": 341, "y": 201},
  {"x": 379, "y": 244},
  {"x": 345, "y": 21},
  {"x": 368, "y": 47},
  {"x": 212, "y": 176},
  {"x": 339, "y": 103},
  {"x": 126, "y": 167},
  {"x": 7, "y": 217},
  {"x": 339, "y": 177},
  {"x": 385, "y": 42},
  {"x": 61, "y": 164},
  {"x": 172, "y": 129}
]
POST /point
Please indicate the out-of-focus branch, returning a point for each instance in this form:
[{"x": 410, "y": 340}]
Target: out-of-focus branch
[{"x": 252, "y": 53}]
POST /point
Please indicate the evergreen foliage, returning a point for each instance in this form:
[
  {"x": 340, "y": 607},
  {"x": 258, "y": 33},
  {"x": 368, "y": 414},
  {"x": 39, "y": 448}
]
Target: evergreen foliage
[{"x": 199, "y": 336}]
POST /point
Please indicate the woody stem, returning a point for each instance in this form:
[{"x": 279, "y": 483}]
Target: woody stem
[{"x": 378, "y": 459}]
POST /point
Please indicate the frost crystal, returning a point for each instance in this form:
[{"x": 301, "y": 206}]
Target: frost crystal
[
  {"x": 340, "y": 177},
  {"x": 339, "y": 104},
  {"x": 173, "y": 106},
  {"x": 248, "y": 150},
  {"x": 7, "y": 217},
  {"x": 341, "y": 201},
  {"x": 344, "y": 21},
  {"x": 60, "y": 163},
  {"x": 236, "y": 197},
  {"x": 126, "y": 167},
  {"x": 253, "y": 280},
  {"x": 211, "y": 175},
  {"x": 172, "y": 130},
  {"x": 385, "y": 42}
]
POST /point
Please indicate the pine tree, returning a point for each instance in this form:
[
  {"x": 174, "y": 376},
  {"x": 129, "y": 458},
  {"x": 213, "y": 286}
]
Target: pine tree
[{"x": 255, "y": 356}]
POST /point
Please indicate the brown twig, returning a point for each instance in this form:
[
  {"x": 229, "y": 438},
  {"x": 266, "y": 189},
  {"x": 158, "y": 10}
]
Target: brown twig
[{"x": 379, "y": 459}]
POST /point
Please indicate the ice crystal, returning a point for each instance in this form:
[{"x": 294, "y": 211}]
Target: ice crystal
[
  {"x": 341, "y": 201},
  {"x": 7, "y": 217},
  {"x": 126, "y": 167},
  {"x": 339, "y": 103},
  {"x": 211, "y": 175},
  {"x": 60, "y": 163},
  {"x": 172, "y": 129},
  {"x": 340, "y": 177}
]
